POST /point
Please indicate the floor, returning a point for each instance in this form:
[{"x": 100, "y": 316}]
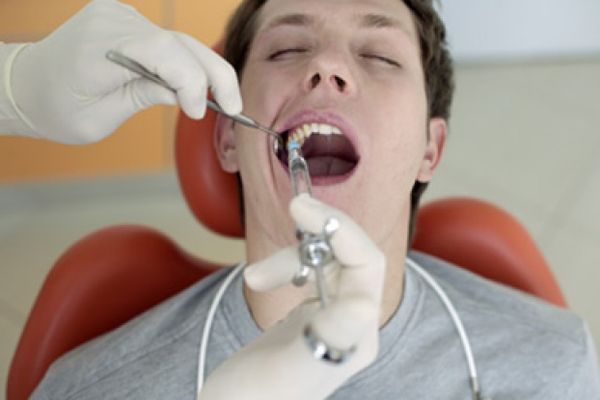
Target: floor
[{"x": 523, "y": 136}]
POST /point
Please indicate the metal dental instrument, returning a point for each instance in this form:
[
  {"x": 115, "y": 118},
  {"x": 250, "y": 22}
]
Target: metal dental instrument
[
  {"x": 298, "y": 167},
  {"x": 315, "y": 250},
  {"x": 138, "y": 68}
]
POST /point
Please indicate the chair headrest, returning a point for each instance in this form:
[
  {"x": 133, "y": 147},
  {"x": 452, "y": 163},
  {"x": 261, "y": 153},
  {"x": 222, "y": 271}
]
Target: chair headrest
[{"x": 210, "y": 192}]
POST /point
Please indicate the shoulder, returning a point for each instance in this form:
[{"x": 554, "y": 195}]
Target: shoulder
[
  {"x": 517, "y": 335},
  {"x": 475, "y": 294},
  {"x": 143, "y": 337}
]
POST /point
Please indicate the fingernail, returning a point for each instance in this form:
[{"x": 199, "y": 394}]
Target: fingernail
[
  {"x": 251, "y": 278},
  {"x": 199, "y": 112},
  {"x": 233, "y": 107},
  {"x": 307, "y": 199},
  {"x": 230, "y": 100},
  {"x": 301, "y": 198}
]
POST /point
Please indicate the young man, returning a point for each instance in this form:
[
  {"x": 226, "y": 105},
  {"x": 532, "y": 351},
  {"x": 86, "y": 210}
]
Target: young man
[{"x": 370, "y": 83}]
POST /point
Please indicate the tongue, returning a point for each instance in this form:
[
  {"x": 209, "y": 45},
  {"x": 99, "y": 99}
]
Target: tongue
[
  {"x": 328, "y": 166},
  {"x": 329, "y": 155}
]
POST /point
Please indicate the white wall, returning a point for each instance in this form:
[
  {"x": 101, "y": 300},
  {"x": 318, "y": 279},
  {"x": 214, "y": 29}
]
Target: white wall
[
  {"x": 481, "y": 30},
  {"x": 524, "y": 132},
  {"x": 525, "y": 136}
]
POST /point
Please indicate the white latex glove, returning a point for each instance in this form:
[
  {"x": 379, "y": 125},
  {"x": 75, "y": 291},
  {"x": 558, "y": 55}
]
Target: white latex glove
[
  {"x": 67, "y": 90},
  {"x": 279, "y": 365}
]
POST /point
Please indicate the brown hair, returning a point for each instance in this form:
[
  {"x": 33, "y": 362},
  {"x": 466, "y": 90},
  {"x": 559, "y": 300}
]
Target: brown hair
[{"x": 435, "y": 59}]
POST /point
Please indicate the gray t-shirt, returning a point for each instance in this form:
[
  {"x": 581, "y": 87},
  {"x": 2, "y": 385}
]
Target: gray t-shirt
[{"x": 524, "y": 348}]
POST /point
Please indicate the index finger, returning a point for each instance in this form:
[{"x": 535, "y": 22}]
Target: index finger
[
  {"x": 221, "y": 76},
  {"x": 363, "y": 261}
]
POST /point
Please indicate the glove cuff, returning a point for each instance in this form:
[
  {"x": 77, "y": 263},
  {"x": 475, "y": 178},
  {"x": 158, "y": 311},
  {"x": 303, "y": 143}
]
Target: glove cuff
[{"x": 12, "y": 118}]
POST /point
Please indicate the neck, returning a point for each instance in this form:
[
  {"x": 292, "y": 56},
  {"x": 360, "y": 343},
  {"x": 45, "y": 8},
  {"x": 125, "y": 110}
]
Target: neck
[{"x": 268, "y": 308}]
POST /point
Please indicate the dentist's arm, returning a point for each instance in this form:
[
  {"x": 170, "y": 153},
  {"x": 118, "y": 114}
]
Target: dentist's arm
[
  {"x": 64, "y": 89},
  {"x": 279, "y": 364}
]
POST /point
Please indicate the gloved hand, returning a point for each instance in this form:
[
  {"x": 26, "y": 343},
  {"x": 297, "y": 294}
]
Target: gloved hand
[
  {"x": 279, "y": 364},
  {"x": 71, "y": 93}
]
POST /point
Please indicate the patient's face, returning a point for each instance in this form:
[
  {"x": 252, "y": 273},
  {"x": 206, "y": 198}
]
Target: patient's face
[{"x": 348, "y": 72}]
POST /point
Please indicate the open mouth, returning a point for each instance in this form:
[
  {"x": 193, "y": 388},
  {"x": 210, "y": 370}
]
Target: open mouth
[{"x": 327, "y": 151}]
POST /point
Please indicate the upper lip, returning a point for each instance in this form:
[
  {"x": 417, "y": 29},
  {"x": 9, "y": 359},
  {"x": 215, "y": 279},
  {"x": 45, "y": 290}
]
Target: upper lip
[{"x": 326, "y": 117}]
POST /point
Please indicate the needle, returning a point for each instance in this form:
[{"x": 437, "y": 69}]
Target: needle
[{"x": 138, "y": 68}]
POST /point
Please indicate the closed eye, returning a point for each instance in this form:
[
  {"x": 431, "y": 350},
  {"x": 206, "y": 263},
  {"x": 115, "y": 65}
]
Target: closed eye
[
  {"x": 381, "y": 58},
  {"x": 280, "y": 53}
]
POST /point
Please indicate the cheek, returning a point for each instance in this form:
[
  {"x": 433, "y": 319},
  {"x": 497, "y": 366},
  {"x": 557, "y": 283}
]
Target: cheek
[
  {"x": 403, "y": 96},
  {"x": 402, "y": 144},
  {"x": 263, "y": 92},
  {"x": 402, "y": 120}
]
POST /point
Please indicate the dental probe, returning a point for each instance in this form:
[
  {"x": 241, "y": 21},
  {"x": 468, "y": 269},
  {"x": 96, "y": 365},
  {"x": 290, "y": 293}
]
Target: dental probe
[
  {"x": 138, "y": 68},
  {"x": 315, "y": 251}
]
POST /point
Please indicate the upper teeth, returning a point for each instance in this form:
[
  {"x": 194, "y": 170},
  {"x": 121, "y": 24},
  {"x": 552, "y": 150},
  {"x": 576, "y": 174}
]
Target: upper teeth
[{"x": 303, "y": 132}]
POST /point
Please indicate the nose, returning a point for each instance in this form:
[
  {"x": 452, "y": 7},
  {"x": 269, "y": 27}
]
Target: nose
[
  {"x": 335, "y": 81},
  {"x": 330, "y": 73}
]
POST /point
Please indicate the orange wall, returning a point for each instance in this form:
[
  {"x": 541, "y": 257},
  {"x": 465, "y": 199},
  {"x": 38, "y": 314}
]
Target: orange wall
[{"x": 144, "y": 143}]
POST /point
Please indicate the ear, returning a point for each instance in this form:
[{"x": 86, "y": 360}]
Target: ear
[
  {"x": 438, "y": 130},
  {"x": 224, "y": 142}
]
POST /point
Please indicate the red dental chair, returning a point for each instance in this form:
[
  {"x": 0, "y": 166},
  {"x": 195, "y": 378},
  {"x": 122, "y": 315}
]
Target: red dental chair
[{"x": 116, "y": 273}]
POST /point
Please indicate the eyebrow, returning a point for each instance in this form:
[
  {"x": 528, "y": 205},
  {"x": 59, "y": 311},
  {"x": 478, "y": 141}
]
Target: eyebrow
[
  {"x": 382, "y": 21},
  {"x": 379, "y": 21},
  {"x": 292, "y": 20},
  {"x": 370, "y": 20}
]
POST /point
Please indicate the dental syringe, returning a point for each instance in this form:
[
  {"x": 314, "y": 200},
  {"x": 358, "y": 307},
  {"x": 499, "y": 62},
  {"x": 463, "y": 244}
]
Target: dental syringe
[
  {"x": 315, "y": 252},
  {"x": 298, "y": 167}
]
